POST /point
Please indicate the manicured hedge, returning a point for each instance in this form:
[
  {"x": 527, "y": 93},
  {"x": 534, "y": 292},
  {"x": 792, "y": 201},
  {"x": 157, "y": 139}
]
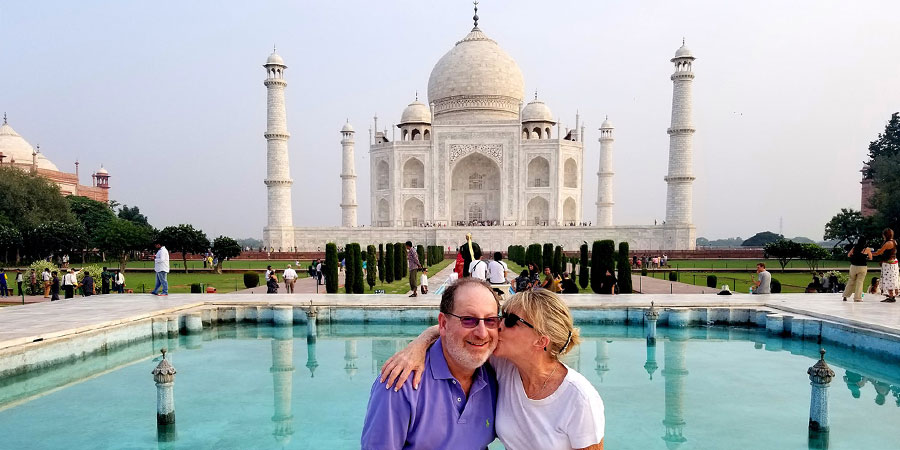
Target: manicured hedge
[
  {"x": 389, "y": 263},
  {"x": 624, "y": 266},
  {"x": 331, "y": 268},
  {"x": 251, "y": 280}
]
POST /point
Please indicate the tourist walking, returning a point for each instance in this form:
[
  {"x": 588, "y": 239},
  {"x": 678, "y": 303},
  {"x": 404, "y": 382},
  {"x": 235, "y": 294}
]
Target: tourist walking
[
  {"x": 161, "y": 266},
  {"x": 87, "y": 285},
  {"x": 412, "y": 259},
  {"x": 890, "y": 278},
  {"x": 763, "y": 283},
  {"x": 859, "y": 255},
  {"x": 290, "y": 277},
  {"x": 4, "y": 287},
  {"x": 104, "y": 281},
  {"x": 45, "y": 276},
  {"x": 33, "y": 282},
  {"x": 272, "y": 284},
  {"x": 69, "y": 283},
  {"x": 53, "y": 286},
  {"x": 120, "y": 281},
  {"x": 20, "y": 281}
]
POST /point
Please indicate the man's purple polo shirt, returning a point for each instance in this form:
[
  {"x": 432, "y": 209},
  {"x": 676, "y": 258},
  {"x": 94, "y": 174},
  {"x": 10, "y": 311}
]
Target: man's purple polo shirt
[{"x": 437, "y": 415}]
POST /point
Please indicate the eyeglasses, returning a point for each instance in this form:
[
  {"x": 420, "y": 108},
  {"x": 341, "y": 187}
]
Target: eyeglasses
[
  {"x": 510, "y": 320},
  {"x": 472, "y": 322}
]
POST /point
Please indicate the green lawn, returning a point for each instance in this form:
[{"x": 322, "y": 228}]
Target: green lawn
[
  {"x": 180, "y": 283},
  {"x": 740, "y": 281},
  {"x": 261, "y": 264},
  {"x": 401, "y": 286},
  {"x": 748, "y": 264}
]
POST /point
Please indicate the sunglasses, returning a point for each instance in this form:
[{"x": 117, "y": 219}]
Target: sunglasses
[
  {"x": 472, "y": 322},
  {"x": 510, "y": 320}
]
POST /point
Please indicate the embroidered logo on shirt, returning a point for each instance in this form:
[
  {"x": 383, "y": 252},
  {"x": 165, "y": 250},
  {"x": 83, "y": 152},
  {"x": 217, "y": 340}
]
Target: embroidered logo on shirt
[{"x": 487, "y": 423}]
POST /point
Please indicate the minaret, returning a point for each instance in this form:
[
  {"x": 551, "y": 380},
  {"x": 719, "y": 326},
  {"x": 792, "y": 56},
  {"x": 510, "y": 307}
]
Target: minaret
[
  {"x": 679, "y": 197},
  {"x": 279, "y": 232},
  {"x": 675, "y": 371},
  {"x": 605, "y": 176},
  {"x": 282, "y": 383},
  {"x": 348, "y": 178}
]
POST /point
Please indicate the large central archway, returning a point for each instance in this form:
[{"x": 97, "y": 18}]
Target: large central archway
[{"x": 475, "y": 190}]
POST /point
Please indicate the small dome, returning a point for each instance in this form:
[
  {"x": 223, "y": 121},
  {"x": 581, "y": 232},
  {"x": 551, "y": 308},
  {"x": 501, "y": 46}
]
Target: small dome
[
  {"x": 416, "y": 112},
  {"x": 347, "y": 127},
  {"x": 606, "y": 124},
  {"x": 275, "y": 59},
  {"x": 684, "y": 52},
  {"x": 537, "y": 111},
  {"x": 16, "y": 148},
  {"x": 102, "y": 171}
]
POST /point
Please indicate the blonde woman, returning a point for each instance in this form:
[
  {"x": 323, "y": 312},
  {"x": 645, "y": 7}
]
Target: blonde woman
[{"x": 542, "y": 403}]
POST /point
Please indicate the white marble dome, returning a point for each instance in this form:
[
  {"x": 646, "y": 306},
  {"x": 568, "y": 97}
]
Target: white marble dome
[
  {"x": 537, "y": 111},
  {"x": 606, "y": 124},
  {"x": 274, "y": 58},
  {"x": 416, "y": 112},
  {"x": 102, "y": 171},
  {"x": 476, "y": 74},
  {"x": 347, "y": 128},
  {"x": 684, "y": 52},
  {"x": 15, "y": 147}
]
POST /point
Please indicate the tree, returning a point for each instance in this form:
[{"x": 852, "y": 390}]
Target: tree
[
  {"x": 420, "y": 252},
  {"x": 583, "y": 277},
  {"x": 602, "y": 260},
  {"x": 849, "y": 225},
  {"x": 886, "y": 145},
  {"x": 381, "y": 268},
  {"x": 812, "y": 254},
  {"x": 886, "y": 200},
  {"x": 533, "y": 256},
  {"x": 547, "y": 254},
  {"x": 91, "y": 213},
  {"x": 224, "y": 248},
  {"x": 10, "y": 241},
  {"x": 55, "y": 238},
  {"x": 399, "y": 260},
  {"x": 350, "y": 274},
  {"x": 624, "y": 265},
  {"x": 134, "y": 215},
  {"x": 184, "y": 238},
  {"x": 372, "y": 268},
  {"x": 358, "y": 282},
  {"x": 761, "y": 239},
  {"x": 389, "y": 263},
  {"x": 331, "y": 268},
  {"x": 119, "y": 238},
  {"x": 30, "y": 200},
  {"x": 783, "y": 250},
  {"x": 558, "y": 265},
  {"x": 596, "y": 274}
]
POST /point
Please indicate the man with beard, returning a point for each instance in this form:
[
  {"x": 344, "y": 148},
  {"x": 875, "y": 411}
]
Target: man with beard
[{"x": 453, "y": 406}]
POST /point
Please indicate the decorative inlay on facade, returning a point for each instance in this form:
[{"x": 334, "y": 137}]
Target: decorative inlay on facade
[
  {"x": 493, "y": 151},
  {"x": 467, "y": 102}
]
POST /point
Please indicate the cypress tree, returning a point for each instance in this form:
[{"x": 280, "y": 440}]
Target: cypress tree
[
  {"x": 371, "y": 268},
  {"x": 420, "y": 250},
  {"x": 358, "y": 282},
  {"x": 557, "y": 260},
  {"x": 624, "y": 269},
  {"x": 399, "y": 257},
  {"x": 583, "y": 278},
  {"x": 601, "y": 261},
  {"x": 547, "y": 257},
  {"x": 534, "y": 256},
  {"x": 596, "y": 273},
  {"x": 381, "y": 262},
  {"x": 389, "y": 264},
  {"x": 349, "y": 268},
  {"x": 331, "y": 266}
]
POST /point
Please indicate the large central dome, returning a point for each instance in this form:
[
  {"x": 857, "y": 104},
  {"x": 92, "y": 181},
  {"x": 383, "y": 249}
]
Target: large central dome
[{"x": 476, "y": 79}]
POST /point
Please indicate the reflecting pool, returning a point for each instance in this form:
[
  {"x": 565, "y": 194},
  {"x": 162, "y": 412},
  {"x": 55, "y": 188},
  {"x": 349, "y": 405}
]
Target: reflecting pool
[{"x": 258, "y": 386}]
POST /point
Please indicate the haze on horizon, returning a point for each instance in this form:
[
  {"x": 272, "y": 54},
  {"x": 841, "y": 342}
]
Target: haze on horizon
[{"x": 169, "y": 97}]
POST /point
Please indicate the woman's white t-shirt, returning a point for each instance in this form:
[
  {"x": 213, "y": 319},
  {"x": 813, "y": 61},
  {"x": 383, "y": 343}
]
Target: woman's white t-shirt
[{"x": 571, "y": 417}]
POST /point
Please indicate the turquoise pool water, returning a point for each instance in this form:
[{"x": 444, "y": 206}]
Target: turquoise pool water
[{"x": 713, "y": 388}]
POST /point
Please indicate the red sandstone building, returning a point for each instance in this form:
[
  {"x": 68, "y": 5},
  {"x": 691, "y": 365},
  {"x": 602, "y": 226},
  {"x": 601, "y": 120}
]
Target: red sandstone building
[
  {"x": 15, "y": 151},
  {"x": 867, "y": 190}
]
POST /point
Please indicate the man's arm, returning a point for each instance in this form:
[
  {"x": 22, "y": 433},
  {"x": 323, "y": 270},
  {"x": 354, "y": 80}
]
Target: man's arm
[
  {"x": 388, "y": 417},
  {"x": 410, "y": 359}
]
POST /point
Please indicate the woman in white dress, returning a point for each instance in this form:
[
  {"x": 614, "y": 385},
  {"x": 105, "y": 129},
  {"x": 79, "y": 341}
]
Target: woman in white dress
[
  {"x": 890, "y": 276},
  {"x": 542, "y": 403}
]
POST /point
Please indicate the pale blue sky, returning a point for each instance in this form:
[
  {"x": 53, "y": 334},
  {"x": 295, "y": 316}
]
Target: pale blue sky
[{"x": 169, "y": 97}]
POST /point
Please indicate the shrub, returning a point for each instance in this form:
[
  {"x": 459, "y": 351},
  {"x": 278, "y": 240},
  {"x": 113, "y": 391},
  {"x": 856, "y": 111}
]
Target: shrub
[
  {"x": 358, "y": 282},
  {"x": 643, "y": 271},
  {"x": 673, "y": 276},
  {"x": 389, "y": 263},
  {"x": 547, "y": 254},
  {"x": 195, "y": 288},
  {"x": 583, "y": 277},
  {"x": 601, "y": 261},
  {"x": 381, "y": 266},
  {"x": 251, "y": 279},
  {"x": 712, "y": 281},
  {"x": 420, "y": 251},
  {"x": 371, "y": 267},
  {"x": 399, "y": 261},
  {"x": 350, "y": 274},
  {"x": 533, "y": 255},
  {"x": 776, "y": 286},
  {"x": 624, "y": 264},
  {"x": 557, "y": 265},
  {"x": 331, "y": 268}
]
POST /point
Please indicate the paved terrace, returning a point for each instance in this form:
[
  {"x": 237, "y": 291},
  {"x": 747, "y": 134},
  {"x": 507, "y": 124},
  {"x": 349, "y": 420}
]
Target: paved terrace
[{"x": 23, "y": 325}]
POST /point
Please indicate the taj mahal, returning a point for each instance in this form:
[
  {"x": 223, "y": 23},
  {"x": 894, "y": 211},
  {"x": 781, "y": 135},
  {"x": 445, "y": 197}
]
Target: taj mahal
[{"x": 476, "y": 158}]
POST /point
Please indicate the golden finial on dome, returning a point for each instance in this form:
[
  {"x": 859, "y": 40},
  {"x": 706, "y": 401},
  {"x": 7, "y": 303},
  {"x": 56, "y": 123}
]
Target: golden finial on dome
[{"x": 475, "y": 17}]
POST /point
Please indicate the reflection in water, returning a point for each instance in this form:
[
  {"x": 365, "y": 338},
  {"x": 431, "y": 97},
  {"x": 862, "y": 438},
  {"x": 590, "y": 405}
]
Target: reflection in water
[
  {"x": 650, "y": 364},
  {"x": 166, "y": 435},
  {"x": 854, "y": 382},
  {"x": 350, "y": 358},
  {"x": 382, "y": 350},
  {"x": 675, "y": 372},
  {"x": 602, "y": 358},
  {"x": 282, "y": 383},
  {"x": 311, "y": 361}
]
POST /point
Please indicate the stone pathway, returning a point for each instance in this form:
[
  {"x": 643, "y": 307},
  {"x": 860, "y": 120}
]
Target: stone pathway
[{"x": 650, "y": 285}]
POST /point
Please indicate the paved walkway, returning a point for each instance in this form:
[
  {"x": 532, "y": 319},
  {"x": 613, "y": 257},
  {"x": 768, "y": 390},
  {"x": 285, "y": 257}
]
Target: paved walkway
[{"x": 650, "y": 285}]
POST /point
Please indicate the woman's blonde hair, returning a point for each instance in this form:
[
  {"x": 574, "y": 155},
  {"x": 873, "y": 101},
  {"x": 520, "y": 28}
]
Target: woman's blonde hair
[{"x": 550, "y": 317}]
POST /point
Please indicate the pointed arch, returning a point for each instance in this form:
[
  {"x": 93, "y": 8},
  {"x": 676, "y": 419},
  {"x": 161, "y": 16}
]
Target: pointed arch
[
  {"x": 538, "y": 211},
  {"x": 570, "y": 210},
  {"x": 538, "y": 172},
  {"x": 413, "y": 173},
  {"x": 570, "y": 173},
  {"x": 382, "y": 176},
  {"x": 413, "y": 212}
]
